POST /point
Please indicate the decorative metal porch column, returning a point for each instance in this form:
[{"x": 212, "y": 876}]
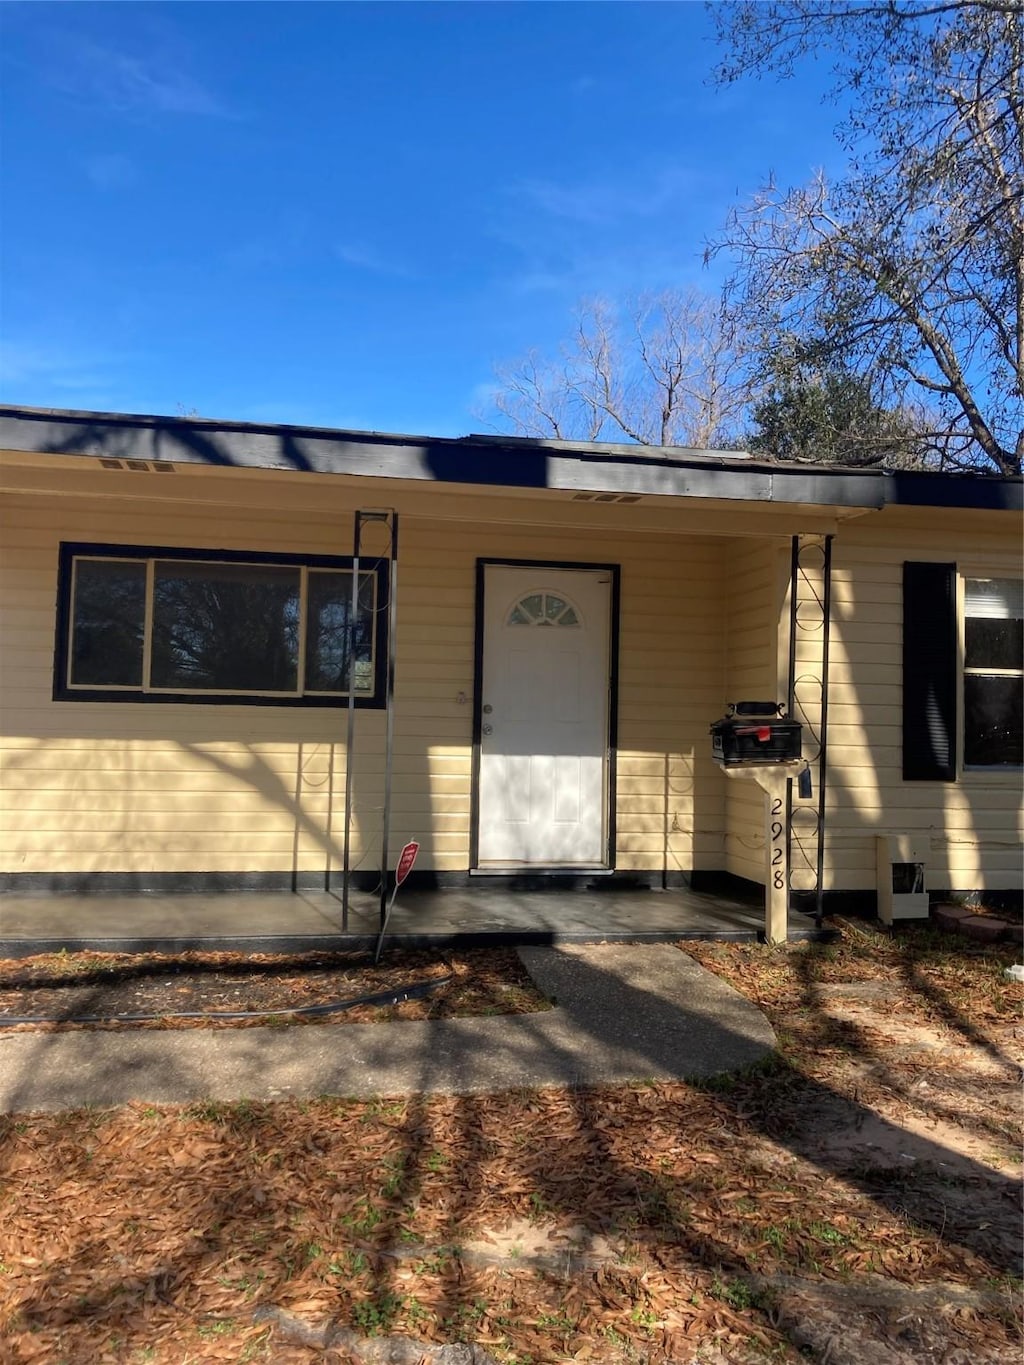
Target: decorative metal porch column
[{"x": 389, "y": 519}]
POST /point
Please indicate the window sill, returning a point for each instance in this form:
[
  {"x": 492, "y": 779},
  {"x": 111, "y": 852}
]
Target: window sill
[{"x": 128, "y": 697}]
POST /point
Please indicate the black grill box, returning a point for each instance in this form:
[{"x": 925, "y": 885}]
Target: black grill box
[{"x": 755, "y": 732}]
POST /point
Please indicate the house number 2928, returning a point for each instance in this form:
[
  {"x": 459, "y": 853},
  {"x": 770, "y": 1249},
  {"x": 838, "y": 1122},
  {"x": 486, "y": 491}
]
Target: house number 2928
[{"x": 777, "y": 850}]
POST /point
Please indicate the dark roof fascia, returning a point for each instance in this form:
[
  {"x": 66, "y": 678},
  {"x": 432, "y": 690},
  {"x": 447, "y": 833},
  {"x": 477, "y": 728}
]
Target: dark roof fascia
[{"x": 490, "y": 461}]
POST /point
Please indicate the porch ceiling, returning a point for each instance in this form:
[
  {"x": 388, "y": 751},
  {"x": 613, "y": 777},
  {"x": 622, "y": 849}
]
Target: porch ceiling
[{"x": 302, "y": 493}]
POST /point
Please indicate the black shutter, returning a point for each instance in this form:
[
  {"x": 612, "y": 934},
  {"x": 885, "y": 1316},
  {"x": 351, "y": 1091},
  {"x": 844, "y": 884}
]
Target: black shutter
[{"x": 929, "y": 672}]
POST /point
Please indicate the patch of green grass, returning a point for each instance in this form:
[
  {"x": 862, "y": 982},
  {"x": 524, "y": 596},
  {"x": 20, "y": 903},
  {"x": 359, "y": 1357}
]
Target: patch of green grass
[
  {"x": 238, "y": 1113},
  {"x": 437, "y": 1262},
  {"x": 394, "y": 1178},
  {"x": 741, "y": 1295},
  {"x": 220, "y": 1327},
  {"x": 725, "y": 1082},
  {"x": 465, "y": 1319},
  {"x": 259, "y": 1346},
  {"x": 825, "y": 1232},
  {"x": 64, "y": 963},
  {"x": 558, "y": 1322},
  {"x": 348, "y": 1263},
  {"x": 416, "y": 1312},
  {"x": 376, "y": 1316},
  {"x": 539, "y": 1206},
  {"x": 366, "y": 1220},
  {"x": 613, "y": 1335},
  {"x": 382, "y": 1109},
  {"x": 243, "y": 1284},
  {"x": 644, "y": 1317}
]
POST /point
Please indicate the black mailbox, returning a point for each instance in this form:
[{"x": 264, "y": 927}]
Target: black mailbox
[{"x": 755, "y": 732}]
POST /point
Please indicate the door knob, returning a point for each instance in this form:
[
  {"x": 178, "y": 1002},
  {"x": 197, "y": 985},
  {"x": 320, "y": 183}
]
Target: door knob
[{"x": 488, "y": 729}]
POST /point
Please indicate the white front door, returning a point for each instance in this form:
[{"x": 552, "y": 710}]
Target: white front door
[{"x": 544, "y": 735}]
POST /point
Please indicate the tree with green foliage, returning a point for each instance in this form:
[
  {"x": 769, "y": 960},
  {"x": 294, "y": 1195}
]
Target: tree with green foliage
[
  {"x": 832, "y": 417},
  {"x": 909, "y": 271}
]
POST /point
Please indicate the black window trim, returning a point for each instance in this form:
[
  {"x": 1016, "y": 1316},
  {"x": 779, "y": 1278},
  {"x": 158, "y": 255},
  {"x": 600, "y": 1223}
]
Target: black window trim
[
  {"x": 966, "y": 573},
  {"x": 70, "y": 550}
]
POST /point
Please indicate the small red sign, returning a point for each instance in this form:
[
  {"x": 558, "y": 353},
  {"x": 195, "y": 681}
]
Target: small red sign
[{"x": 405, "y": 863}]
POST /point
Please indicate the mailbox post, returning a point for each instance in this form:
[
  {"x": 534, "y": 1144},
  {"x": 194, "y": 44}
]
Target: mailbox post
[
  {"x": 757, "y": 743},
  {"x": 772, "y": 779}
]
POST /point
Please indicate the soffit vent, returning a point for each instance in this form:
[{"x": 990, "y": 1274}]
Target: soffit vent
[
  {"x": 607, "y": 497},
  {"x": 144, "y": 466}
]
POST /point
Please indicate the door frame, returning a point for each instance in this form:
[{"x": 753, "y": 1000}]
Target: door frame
[{"x": 612, "y": 740}]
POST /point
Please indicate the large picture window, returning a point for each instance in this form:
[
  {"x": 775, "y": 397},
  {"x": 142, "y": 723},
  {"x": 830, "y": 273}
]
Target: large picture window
[
  {"x": 993, "y": 672},
  {"x": 193, "y": 625}
]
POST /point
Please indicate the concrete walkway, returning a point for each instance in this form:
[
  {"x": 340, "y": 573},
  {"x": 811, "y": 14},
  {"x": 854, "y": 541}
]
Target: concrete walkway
[{"x": 622, "y": 1013}]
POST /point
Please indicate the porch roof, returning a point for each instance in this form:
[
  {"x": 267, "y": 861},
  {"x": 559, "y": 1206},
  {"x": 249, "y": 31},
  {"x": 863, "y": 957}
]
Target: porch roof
[{"x": 607, "y": 473}]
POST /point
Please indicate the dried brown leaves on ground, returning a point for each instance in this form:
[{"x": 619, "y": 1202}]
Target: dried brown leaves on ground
[
  {"x": 60, "y": 989},
  {"x": 731, "y": 1221}
]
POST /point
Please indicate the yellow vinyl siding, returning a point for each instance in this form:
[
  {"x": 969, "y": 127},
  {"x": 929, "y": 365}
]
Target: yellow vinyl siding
[
  {"x": 752, "y": 587},
  {"x": 176, "y": 787},
  {"x": 974, "y": 826}
]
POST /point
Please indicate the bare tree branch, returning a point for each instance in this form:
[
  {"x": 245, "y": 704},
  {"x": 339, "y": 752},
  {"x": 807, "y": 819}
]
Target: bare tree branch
[
  {"x": 667, "y": 376},
  {"x": 910, "y": 269}
]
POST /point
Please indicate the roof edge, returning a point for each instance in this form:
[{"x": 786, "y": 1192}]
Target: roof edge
[{"x": 506, "y": 461}]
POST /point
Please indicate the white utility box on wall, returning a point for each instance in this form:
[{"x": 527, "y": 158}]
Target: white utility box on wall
[{"x": 902, "y": 889}]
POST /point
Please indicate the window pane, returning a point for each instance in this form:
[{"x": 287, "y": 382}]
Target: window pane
[
  {"x": 993, "y": 728},
  {"x": 992, "y": 643},
  {"x": 109, "y": 615},
  {"x": 225, "y": 627},
  {"x": 328, "y": 639},
  {"x": 994, "y": 597}
]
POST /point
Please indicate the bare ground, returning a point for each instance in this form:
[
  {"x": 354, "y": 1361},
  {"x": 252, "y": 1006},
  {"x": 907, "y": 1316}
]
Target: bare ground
[
  {"x": 855, "y": 1201},
  {"x": 244, "y": 990}
]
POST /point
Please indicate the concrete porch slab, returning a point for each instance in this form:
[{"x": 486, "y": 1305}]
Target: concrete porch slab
[{"x": 302, "y": 921}]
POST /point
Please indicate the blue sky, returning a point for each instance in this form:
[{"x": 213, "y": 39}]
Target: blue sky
[{"x": 348, "y": 214}]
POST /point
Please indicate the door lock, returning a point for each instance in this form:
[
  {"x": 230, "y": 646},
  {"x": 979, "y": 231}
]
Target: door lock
[{"x": 488, "y": 710}]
